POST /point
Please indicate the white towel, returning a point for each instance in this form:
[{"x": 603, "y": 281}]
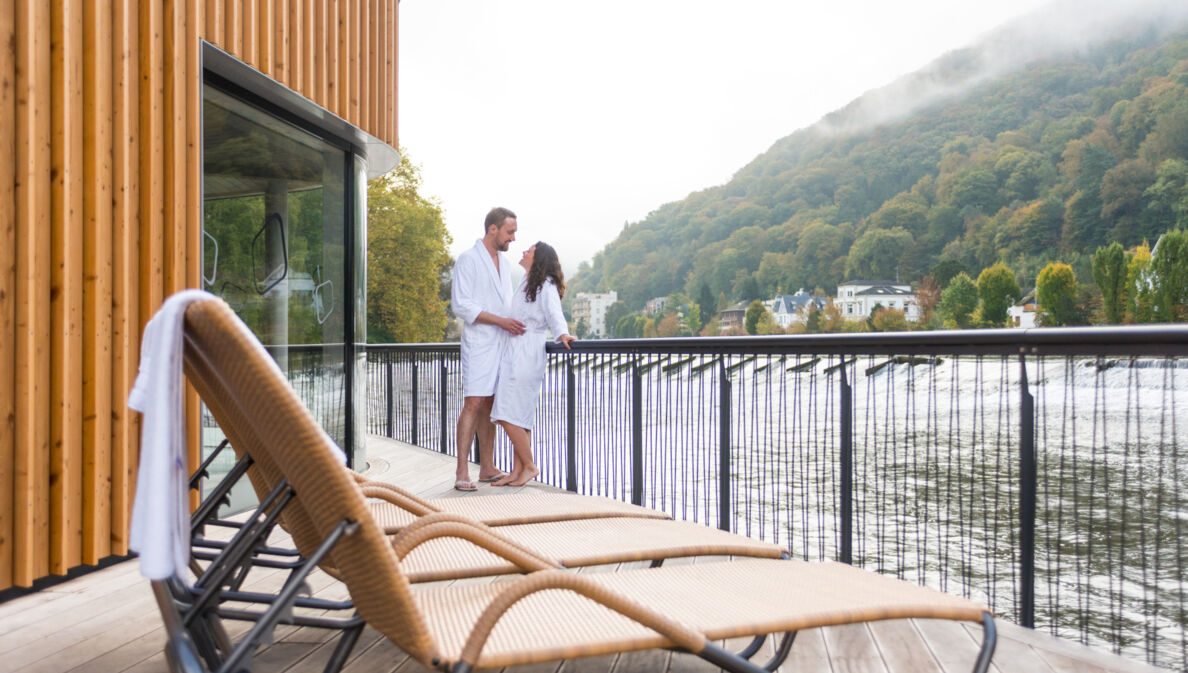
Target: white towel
[{"x": 160, "y": 512}]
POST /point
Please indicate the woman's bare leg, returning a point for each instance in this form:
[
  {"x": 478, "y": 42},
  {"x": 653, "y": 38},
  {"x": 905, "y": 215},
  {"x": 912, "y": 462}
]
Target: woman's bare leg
[{"x": 524, "y": 468}]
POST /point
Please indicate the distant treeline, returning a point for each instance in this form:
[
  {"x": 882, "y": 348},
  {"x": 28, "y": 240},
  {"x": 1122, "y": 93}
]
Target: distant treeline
[{"x": 1044, "y": 165}]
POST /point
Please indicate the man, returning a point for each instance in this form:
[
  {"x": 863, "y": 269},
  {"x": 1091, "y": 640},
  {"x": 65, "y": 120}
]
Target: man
[{"x": 482, "y": 296}]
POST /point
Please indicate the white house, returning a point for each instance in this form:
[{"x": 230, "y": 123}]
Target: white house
[
  {"x": 655, "y": 305},
  {"x": 788, "y": 309},
  {"x": 857, "y": 298},
  {"x": 591, "y": 307},
  {"x": 1022, "y": 313}
]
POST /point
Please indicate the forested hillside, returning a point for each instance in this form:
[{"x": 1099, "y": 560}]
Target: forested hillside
[{"x": 1047, "y": 163}]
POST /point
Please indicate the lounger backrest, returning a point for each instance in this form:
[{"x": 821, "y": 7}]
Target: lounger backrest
[{"x": 253, "y": 403}]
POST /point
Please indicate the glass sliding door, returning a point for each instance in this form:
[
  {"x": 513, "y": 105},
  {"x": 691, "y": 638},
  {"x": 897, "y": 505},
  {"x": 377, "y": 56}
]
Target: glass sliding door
[{"x": 280, "y": 214}]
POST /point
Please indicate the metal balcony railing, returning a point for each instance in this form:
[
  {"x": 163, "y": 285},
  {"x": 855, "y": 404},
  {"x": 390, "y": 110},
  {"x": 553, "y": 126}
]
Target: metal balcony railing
[{"x": 1041, "y": 471}]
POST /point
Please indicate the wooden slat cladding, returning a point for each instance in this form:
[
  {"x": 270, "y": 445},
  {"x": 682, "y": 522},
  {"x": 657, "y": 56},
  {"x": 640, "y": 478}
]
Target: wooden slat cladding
[{"x": 100, "y": 220}]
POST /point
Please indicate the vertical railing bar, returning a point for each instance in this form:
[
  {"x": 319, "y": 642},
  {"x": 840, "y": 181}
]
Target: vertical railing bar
[
  {"x": 441, "y": 396},
  {"x": 1027, "y": 498},
  {"x": 570, "y": 426},
  {"x": 637, "y": 479},
  {"x": 390, "y": 397},
  {"x": 846, "y": 487},
  {"x": 724, "y": 512},
  {"x": 415, "y": 414}
]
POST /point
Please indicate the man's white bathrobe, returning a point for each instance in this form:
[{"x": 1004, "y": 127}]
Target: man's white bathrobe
[
  {"x": 479, "y": 287},
  {"x": 522, "y": 368}
]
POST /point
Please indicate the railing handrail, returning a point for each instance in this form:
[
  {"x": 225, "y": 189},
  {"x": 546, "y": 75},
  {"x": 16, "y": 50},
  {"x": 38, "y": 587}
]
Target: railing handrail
[{"x": 1101, "y": 340}]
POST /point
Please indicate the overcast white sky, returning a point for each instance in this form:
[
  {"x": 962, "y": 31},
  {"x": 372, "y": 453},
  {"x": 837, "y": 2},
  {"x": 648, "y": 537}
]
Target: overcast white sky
[{"x": 581, "y": 116}]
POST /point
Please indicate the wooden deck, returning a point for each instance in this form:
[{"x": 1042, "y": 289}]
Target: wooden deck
[{"x": 106, "y": 621}]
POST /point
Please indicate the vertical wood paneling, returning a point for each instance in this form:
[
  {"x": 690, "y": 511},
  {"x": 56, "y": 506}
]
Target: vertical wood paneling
[
  {"x": 360, "y": 48},
  {"x": 264, "y": 28},
  {"x": 152, "y": 160},
  {"x": 249, "y": 51},
  {"x": 291, "y": 42},
  {"x": 66, "y": 289},
  {"x": 310, "y": 47},
  {"x": 392, "y": 136},
  {"x": 173, "y": 131},
  {"x": 233, "y": 12},
  {"x": 281, "y": 65},
  {"x": 375, "y": 67},
  {"x": 213, "y": 22},
  {"x": 342, "y": 71},
  {"x": 329, "y": 49},
  {"x": 7, "y": 285},
  {"x": 100, "y": 219},
  {"x": 193, "y": 187},
  {"x": 349, "y": 45},
  {"x": 97, "y": 286},
  {"x": 125, "y": 426},
  {"x": 32, "y": 391}
]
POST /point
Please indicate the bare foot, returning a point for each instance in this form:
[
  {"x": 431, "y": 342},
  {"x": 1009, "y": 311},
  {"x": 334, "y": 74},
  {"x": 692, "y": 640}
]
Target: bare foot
[
  {"x": 505, "y": 480},
  {"x": 525, "y": 476}
]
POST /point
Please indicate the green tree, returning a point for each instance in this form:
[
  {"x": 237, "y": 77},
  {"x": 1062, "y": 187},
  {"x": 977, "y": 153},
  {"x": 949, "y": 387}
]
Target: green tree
[
  {"x": 877, "y": 254},
  {"x": 407, "y": 245},
  {"x": 691, "y": 324},
  {"x": 754, "y": 313},
  {"x": 706, "y": 304},
  {"x": 998, "y": 289},
  {"x": 812, "y": 321},
  {"x": 1109, "y": 272},
  {"x": 581, "y": 329},
  {"x": 1169, "y": 270},
  {"x": 1056, "y": 292},
  {"x": 614, "y": 314},
  {"x": 1140, "y": 305},
  {"x": 958, "y": 301}
]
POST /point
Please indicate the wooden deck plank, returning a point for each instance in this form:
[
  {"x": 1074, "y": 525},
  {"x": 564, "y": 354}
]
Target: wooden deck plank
[
  {"x": 950, "y": 644},
  {"x": 903, "y": 648},
  {"x": 107, "y": 621},
  {"x": 852, "y": 649}
]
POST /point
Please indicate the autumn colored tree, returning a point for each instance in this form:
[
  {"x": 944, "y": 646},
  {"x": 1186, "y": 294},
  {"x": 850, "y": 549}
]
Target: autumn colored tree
[
  {"x": 928, "y": 295},
  {"x": 998, "y": 289},
  {"x": 407, "y": 245},
  {"x": 958, "y": 301},
  {"x": 1056, "y": 293},
  {"x": 889, "y": 320},
  {"x": 1109, "y": 272}
]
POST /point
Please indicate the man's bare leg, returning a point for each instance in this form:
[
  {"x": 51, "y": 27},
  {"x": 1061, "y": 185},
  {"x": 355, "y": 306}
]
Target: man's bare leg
[
  {"x": 468, "y": 418},
  {"x": 486, "y": 440}
]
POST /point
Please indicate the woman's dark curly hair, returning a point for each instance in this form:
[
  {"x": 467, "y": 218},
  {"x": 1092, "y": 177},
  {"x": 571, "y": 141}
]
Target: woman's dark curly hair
[{"x": 544, "y": 265}]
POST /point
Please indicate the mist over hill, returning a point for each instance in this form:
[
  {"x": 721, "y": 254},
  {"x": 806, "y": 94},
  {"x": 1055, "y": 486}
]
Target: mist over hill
[{"x": 1053, "y": 135}]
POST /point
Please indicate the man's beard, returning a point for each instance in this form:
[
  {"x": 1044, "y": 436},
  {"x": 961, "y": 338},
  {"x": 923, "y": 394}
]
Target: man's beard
[{"x": 502, "y": 247}]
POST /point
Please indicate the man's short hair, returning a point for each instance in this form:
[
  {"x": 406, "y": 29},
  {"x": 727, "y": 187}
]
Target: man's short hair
[{"x": 496, "y": 217}]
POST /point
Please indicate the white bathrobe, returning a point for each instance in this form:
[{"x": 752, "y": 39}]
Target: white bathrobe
[
  {"x": 478, "y": 286},
  {"x": 522, "y": 368}
]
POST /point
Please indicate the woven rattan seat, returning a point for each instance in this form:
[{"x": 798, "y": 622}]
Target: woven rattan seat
[
  {"x": 510, "y": 509},
  {"x": 546, "y": 614}
]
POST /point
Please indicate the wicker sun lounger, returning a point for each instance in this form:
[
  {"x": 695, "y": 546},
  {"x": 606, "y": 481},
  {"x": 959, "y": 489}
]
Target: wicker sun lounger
[
  {"x": 589, "y": 536},
  {"x": 547, "y": 614}
]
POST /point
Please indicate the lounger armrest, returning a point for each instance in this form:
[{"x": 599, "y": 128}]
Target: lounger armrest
[
  {"x": 443, "y": 524},
  {"x": 681, "y": 635},
  {"x": 395, "y": 497},
  {"x": 390, "y": 488}
]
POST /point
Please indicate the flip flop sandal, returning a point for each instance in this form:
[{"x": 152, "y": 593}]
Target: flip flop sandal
[
  {"x": 462, "y": 485},
  {"x": 497, "y": 477}
]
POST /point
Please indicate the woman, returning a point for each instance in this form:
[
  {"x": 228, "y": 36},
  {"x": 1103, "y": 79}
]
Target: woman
[{"x": 537, "y": 304}]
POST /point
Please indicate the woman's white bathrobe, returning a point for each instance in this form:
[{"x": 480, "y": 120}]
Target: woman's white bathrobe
[{"x": 522, "y": 368}]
